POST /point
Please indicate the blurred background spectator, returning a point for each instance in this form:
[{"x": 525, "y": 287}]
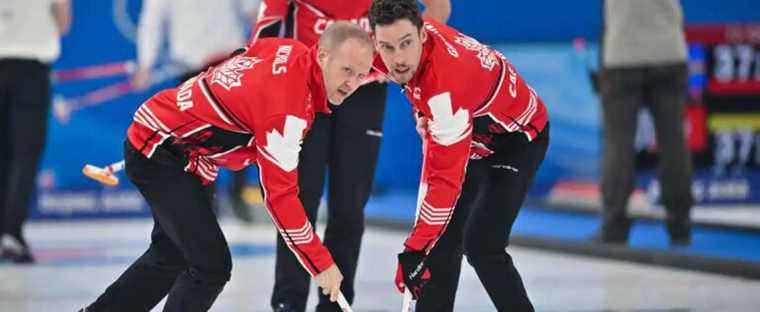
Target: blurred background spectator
[
  {"x": 29, "y": 43},
  {"x": 644, "y": 64}
]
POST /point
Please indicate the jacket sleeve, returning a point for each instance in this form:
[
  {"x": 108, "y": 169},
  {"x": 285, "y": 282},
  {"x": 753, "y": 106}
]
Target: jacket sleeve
[
  {"x": 446, "y": 147},
  {"x": 278, "y": 146},
  {"x": 271, "y": 19}
]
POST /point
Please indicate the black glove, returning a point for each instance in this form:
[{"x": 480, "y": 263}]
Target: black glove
[{"x": 412, "y": 272}]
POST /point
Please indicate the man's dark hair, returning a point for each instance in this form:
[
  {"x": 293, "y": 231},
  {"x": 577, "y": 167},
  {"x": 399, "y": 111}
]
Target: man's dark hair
[{"x": 386, "y": 12}]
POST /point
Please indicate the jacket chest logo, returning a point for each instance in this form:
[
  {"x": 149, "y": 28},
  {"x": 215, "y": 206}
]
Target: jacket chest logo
[{"x": 229, "y": 74}]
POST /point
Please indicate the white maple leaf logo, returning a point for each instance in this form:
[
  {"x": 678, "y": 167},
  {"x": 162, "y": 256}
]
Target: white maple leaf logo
[
  {"x": 282, "y": 148},
  {"x": 447, "y": 127}
]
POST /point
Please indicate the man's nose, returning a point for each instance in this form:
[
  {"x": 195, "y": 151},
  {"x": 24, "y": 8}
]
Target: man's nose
[
  {"x": 397, "y": 59},
  {"x": 351, "y": 82}
]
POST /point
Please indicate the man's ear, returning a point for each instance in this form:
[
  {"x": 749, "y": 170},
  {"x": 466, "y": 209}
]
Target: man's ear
[
  {"x": 322, "y": 56},
  {"x": 423, "y": 35},
  {"x": 373, "y": 39}
]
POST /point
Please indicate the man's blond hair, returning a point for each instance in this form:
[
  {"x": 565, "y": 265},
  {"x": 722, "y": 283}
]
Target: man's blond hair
[{"x": 342, "y": 31}]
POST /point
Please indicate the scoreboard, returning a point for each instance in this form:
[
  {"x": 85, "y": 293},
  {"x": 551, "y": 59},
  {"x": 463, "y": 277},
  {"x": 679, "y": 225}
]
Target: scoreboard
[
  {"x": 725, "y": 80},
  {"x": 722, "y": 115}
]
